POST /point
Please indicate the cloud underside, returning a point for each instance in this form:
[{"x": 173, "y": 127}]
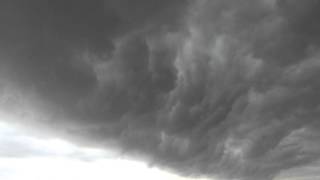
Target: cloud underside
[{"x": 220, "y": 87}]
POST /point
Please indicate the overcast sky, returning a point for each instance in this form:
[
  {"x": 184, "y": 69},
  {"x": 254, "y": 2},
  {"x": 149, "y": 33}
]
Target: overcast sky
[{"x": 222, "y": 89}]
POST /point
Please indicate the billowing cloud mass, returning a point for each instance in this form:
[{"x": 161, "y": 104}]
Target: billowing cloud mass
[{"x": 223, "y": 88}]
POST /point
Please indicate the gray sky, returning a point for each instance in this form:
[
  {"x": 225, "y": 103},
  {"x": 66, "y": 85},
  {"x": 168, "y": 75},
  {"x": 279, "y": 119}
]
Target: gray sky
[{"x": 214, "y": 88}]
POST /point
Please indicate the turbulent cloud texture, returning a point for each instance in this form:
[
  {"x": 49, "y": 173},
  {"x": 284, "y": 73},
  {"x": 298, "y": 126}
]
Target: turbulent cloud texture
[{"x": 207, "y": 87}]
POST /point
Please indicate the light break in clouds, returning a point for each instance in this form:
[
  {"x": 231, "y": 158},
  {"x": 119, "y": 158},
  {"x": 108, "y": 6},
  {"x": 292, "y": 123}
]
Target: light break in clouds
[{"x": 28, "y": 157}]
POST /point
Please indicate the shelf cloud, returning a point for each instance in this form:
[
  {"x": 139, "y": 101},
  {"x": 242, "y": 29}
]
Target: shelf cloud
[{"x": 224, "y": 88}]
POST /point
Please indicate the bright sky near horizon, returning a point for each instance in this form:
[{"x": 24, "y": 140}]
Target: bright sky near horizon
[{"x": 27, "y": 157}]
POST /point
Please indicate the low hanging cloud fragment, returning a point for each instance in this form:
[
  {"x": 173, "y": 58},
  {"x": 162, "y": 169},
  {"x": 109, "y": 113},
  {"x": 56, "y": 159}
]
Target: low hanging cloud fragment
[{"x": 205, "y": 88}]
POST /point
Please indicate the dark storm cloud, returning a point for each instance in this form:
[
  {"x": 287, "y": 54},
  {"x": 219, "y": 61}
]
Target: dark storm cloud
[
  {"x": 42, "y": 40},
  {"x": 225, "y": 88}
]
